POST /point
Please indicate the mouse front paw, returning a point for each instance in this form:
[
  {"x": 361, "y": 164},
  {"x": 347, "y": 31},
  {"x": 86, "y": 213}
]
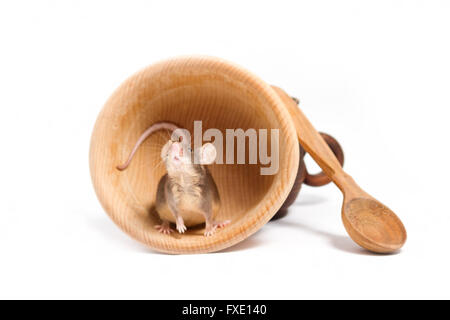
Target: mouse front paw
[{"x": 181, "y": 228}]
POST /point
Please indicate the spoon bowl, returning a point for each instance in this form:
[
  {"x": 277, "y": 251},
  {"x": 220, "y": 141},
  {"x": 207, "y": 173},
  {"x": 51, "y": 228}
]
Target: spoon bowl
[{"x": 372, "y": 225}]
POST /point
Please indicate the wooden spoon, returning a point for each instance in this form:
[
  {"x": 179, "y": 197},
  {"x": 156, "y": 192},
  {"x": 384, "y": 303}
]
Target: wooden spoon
[{"x": 369, "y": 223}]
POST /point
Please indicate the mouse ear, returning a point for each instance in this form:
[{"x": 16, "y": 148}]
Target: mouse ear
[{"x": 208, "y": 153}]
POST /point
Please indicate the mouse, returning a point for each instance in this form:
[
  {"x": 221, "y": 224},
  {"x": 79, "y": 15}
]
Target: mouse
[{"x": 187, "y": 194}]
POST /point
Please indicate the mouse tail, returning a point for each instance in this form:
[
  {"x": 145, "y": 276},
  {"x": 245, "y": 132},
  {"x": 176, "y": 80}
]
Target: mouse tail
[{"x": 153, "y": 128}]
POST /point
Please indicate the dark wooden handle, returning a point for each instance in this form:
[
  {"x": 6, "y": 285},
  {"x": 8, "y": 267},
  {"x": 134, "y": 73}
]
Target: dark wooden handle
[{"x": 312, "y": 180}]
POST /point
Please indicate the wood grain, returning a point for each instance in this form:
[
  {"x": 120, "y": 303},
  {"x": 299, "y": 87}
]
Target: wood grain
[{"x": 182, "y": 90}]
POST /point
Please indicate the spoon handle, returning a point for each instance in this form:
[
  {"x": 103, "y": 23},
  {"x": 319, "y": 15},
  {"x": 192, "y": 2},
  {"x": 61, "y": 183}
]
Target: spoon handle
[{"x": 314, "y": 144}]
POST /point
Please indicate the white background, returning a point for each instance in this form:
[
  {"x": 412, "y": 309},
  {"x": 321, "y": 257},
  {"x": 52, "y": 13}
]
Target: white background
[{"x": 375, "y": 74}]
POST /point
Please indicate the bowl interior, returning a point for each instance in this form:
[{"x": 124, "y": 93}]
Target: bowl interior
[{"x": 222, "y": 97}]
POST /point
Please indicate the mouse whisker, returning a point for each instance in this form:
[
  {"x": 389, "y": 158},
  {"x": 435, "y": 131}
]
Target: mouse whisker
[
  {"x": 159, "y": 163},
  {"x": 169, "y": 136}
]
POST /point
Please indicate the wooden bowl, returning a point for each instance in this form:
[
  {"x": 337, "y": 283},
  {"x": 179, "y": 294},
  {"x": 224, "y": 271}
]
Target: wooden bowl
[{"x": 181, "y": 90}]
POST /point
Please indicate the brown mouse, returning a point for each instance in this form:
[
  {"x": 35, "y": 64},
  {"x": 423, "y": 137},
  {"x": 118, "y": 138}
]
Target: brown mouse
[{"x": 187, "y": 194}]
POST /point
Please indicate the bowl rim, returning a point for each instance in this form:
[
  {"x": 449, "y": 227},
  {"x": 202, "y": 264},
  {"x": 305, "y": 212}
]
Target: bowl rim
[{"x": 276, "y": 195}]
